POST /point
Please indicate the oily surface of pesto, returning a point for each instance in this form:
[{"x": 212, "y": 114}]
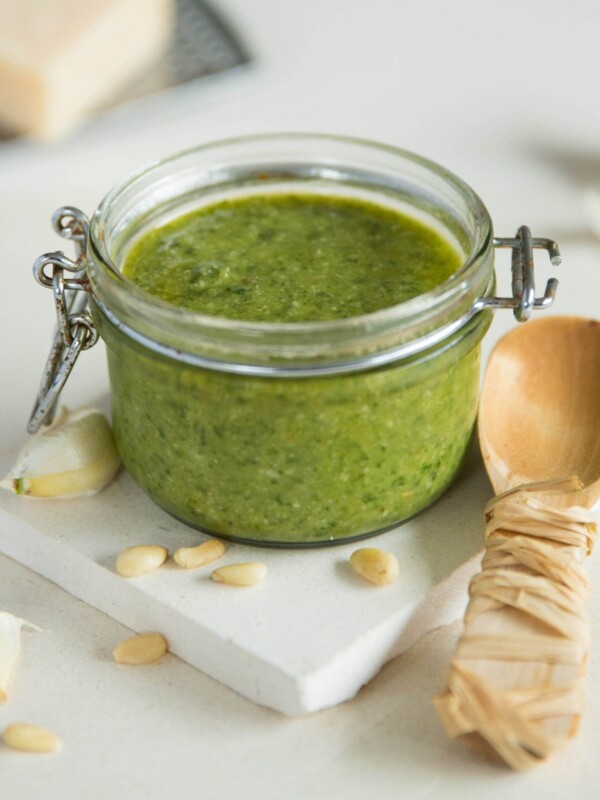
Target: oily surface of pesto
[{"x": 290, "y": 258}]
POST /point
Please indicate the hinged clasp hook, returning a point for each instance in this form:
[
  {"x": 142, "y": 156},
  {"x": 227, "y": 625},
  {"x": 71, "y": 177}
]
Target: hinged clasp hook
[
  {"x": 524, "y": 301},
  {"x": 75, "y": 330}
]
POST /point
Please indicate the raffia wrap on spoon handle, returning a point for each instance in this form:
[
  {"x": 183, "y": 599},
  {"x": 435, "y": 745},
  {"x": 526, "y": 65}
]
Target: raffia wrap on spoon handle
[{"x": 515, "y": 684}]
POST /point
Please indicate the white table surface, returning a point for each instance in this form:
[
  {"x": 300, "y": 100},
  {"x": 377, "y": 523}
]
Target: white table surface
[{"x": 506, "y": 95}]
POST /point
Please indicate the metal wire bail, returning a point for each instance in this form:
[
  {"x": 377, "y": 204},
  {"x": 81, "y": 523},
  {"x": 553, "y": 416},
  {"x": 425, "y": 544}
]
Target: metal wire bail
[{"x": 75, "y": 330}]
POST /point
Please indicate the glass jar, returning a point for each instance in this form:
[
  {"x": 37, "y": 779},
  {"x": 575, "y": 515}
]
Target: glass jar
[{"x": 292, "y": 434}]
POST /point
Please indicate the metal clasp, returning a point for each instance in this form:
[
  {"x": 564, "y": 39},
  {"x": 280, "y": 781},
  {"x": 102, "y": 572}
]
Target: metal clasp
[
  {"x": 75, "y": 330},
  {"x": 524, "y": 301}
]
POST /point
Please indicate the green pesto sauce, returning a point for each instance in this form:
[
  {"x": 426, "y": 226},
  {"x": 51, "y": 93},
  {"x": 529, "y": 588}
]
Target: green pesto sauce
[
  {"x": 290, "y": 258},
  {"x": 288, "y": 461},
  {"x": 292, "y": 461}
]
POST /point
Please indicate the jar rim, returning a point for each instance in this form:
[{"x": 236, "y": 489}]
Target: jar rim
[{"x": 118, "y": 295}]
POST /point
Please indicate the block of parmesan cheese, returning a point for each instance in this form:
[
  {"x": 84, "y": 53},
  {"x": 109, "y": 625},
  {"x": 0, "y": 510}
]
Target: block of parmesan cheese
[{"x": 60, "y": 59}]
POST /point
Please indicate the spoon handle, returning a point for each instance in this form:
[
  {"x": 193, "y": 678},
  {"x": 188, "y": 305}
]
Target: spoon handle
[{"x": 514, "y": 686}]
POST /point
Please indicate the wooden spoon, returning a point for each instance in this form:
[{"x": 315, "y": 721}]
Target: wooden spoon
[
  {"x": 539, "y": 417},
  {"x": 515, "y": 681}
]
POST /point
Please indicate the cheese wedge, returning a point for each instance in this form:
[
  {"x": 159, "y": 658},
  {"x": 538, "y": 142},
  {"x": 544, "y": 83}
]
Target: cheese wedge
[{"x": 60, "y": 59}]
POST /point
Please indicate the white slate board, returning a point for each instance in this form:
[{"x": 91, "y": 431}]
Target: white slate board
[{"x": 308, "y": 638}]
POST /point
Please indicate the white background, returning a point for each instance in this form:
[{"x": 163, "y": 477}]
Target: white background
[{"x": 504, "y": 94}]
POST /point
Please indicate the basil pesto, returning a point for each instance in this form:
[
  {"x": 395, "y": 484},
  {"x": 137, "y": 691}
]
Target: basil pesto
[
  {"x": 290, "y": 258},
  {"x": 292, "y": 460}
]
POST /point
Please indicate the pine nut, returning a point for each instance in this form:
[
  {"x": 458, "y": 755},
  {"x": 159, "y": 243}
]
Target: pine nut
[
  {"x": 194, "y": 557},
  {"x": 142, "y": 649},
  {"x": 30, "y": 738},
  {"x": 377, "y": 566},
  {"x": 248, "y": 574},
  {"x": 140, "y": 560}
]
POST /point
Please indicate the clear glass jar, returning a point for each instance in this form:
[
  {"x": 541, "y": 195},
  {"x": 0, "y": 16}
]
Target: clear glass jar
[{"x": 293, "y": 434}]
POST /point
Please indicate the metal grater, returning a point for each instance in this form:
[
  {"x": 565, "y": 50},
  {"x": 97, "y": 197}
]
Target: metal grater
[{"x": 203, "y": 45}]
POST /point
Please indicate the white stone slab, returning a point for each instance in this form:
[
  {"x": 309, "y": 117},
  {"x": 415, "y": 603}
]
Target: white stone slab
[
  {"x": 313, "y": 633},
  {"x": 308, "y": 638}
]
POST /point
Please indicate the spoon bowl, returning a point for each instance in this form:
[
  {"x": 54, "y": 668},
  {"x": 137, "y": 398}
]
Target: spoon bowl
[{"x": 539, "y": 416}]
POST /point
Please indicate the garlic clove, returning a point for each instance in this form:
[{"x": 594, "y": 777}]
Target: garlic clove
[
  {"x": 10, "y": 647},
  {"x": 75, "y": 457}
]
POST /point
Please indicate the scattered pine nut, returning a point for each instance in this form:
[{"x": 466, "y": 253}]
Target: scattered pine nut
[
  {"x": 140, "y": 560},
  {"x": 143, "y": 649},
  {"x": 377, "y": 566},
  {"x": 30, "y": 738},
  {"x": 194, "y": 557},
  {"x": 248, "y": 574}
]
